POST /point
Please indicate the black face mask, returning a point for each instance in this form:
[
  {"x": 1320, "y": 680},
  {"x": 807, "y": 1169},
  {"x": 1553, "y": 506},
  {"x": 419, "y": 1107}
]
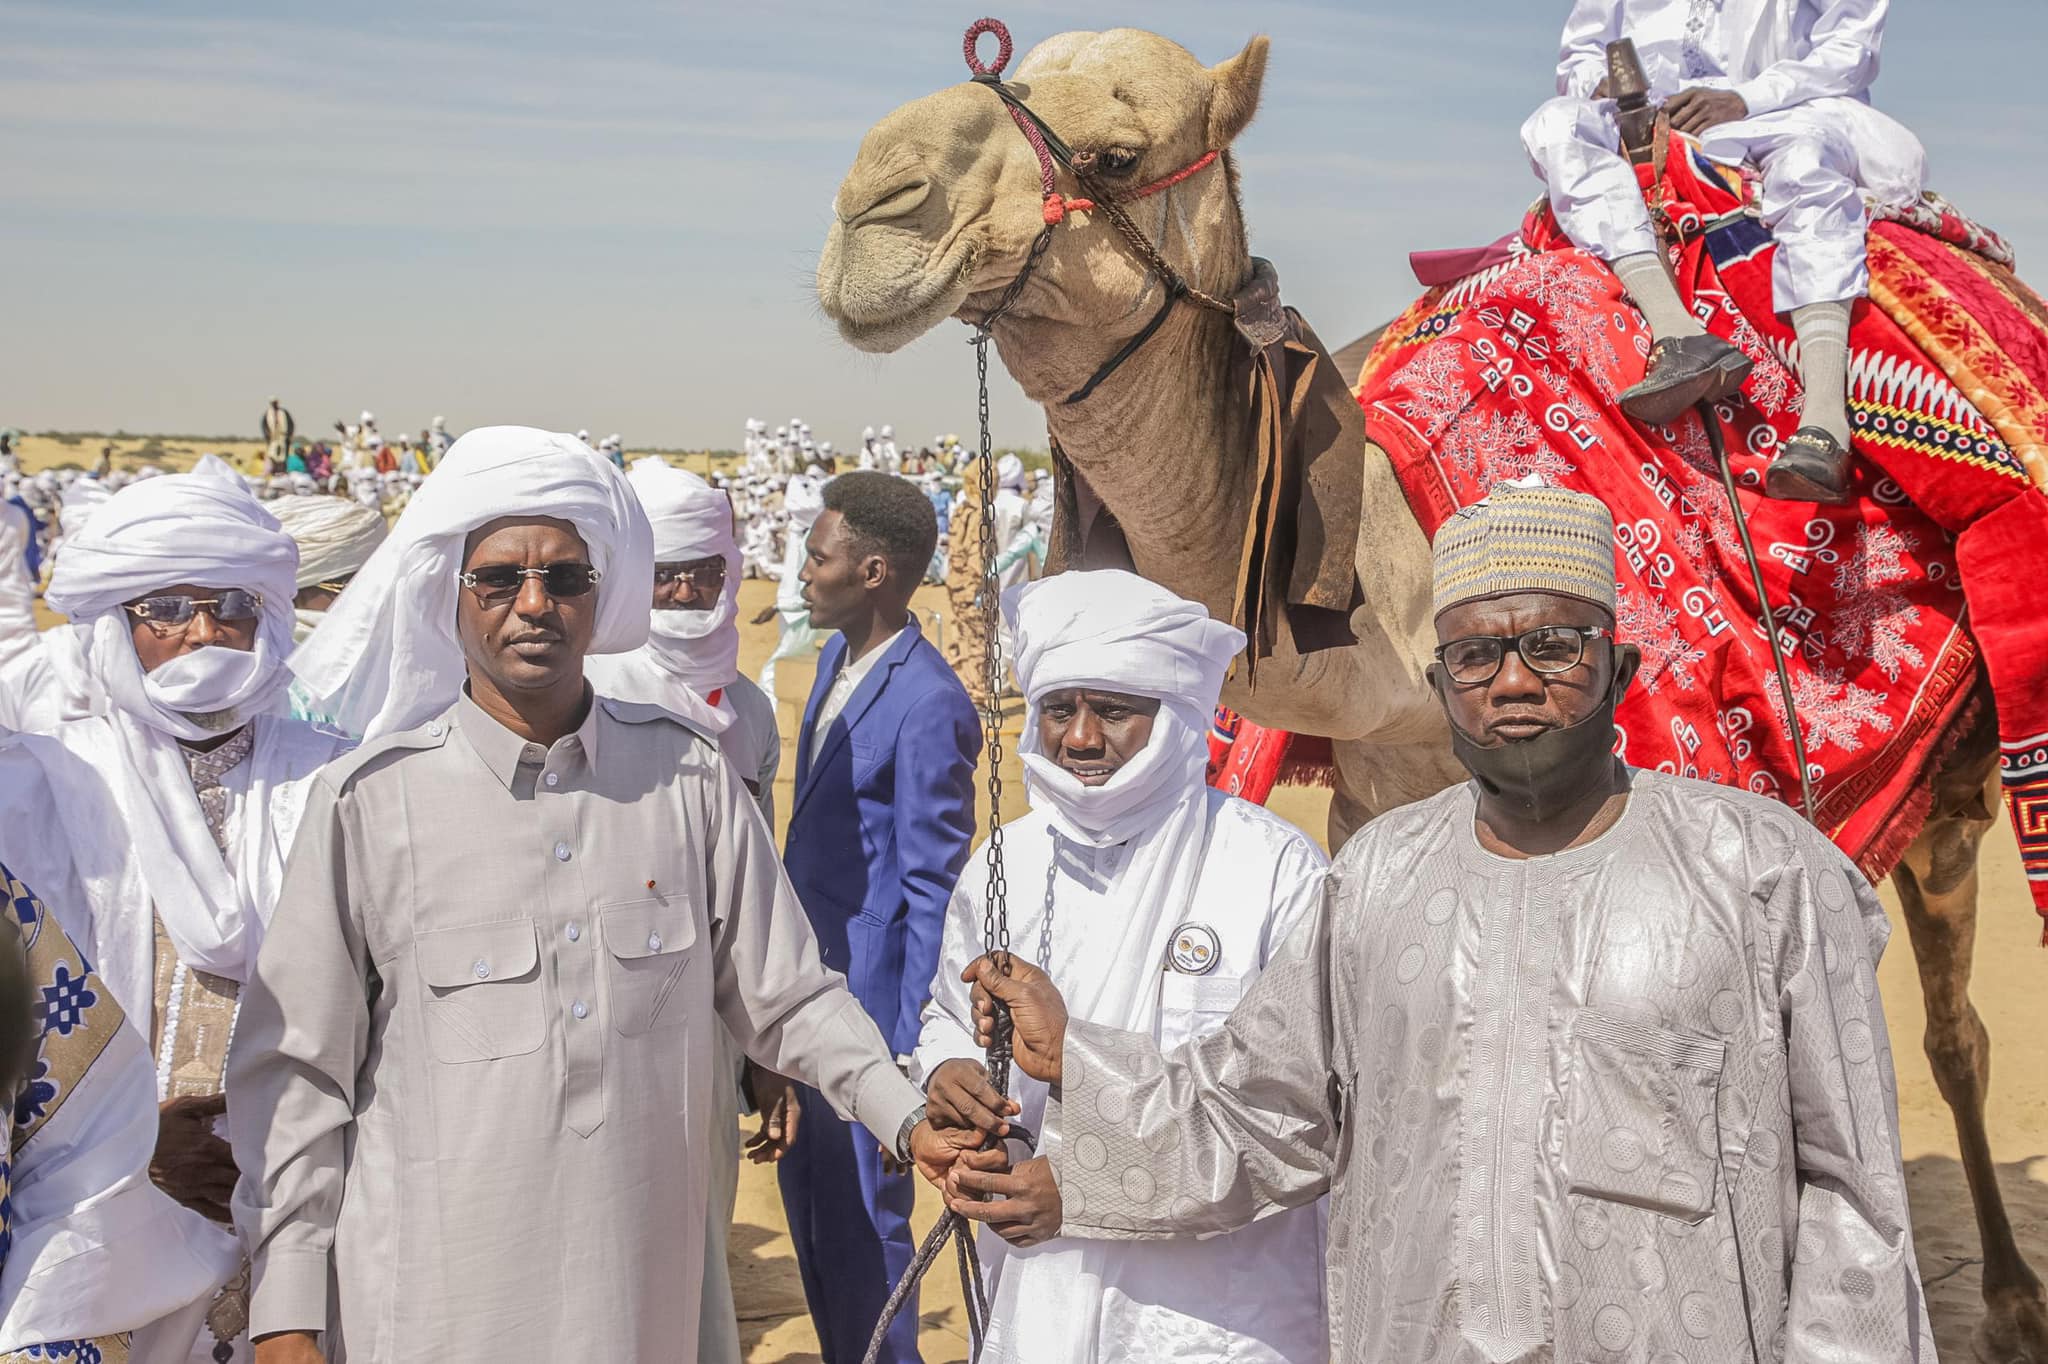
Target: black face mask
[{"x": 1537, "y": 778}]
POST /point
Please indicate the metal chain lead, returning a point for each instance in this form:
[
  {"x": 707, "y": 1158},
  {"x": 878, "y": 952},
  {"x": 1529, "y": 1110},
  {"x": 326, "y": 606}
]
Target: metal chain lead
[{"x": 995, "y": 925}]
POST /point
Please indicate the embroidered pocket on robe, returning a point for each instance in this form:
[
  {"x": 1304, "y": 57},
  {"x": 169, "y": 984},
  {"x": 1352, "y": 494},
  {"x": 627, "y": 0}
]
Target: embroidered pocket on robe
[
  {"x": 1194, "y": 1006},
  {"x": 647, "y": 950},
  {"x": 1639, "y": 1094},
  {"x": 481, "y": 990}
]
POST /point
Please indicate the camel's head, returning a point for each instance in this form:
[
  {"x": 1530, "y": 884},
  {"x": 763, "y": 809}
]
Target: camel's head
[{"x": 943, "y": 202}]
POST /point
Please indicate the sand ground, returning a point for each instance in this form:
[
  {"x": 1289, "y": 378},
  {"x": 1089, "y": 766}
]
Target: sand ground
[{"x": 2010, "y": 973}]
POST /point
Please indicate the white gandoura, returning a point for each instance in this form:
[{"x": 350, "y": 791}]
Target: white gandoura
[
  {"x": 1630, "y": 1101},
  {"x": 1154, "y": 901}
]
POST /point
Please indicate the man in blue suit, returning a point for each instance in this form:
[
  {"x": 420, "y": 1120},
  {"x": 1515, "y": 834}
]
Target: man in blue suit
[{"x": 878, "y": 832}]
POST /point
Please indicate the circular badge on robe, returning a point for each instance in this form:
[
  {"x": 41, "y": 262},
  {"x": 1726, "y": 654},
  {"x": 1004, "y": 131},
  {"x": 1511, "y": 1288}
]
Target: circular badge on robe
[{"x": 1194, "y": 950}]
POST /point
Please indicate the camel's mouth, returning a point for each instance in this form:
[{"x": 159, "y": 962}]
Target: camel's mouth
[{"x": 884, "y": 293}]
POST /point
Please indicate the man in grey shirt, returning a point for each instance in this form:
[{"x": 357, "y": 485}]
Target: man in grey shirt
[{"x": 469, "y": 1086}]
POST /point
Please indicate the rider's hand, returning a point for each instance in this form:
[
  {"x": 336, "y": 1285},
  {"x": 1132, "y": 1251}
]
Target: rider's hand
[
  {"x": 1694, "y": 111},
  {"x": 1037, "y": 1013},
  {"x": 960, "y": 1095},
  {"x": 933, "y": 1150},
  {"x": 1026, "y": 1208}
]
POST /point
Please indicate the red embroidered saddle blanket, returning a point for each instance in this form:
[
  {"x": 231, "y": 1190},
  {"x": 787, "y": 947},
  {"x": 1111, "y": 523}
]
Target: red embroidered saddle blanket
[{"x": 1887, "y": 607}]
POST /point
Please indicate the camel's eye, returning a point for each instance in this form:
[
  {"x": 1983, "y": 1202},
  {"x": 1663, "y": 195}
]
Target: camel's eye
[{"x": 1116, "y": 161}]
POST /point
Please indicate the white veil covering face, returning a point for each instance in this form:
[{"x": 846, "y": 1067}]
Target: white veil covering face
[
  {"x": 386, "y": 657},
  {"x": 206, "y": 529},
  {"x": 690, "y": 656},
  {"x": 1115, "y": 631}
]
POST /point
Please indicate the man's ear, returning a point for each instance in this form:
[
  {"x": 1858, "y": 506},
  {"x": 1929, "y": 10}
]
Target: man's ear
[
  {"x": 1627, "y": 659},
  {"x": 874, "y": 572},
  {"x": 1236, "y": 95}
]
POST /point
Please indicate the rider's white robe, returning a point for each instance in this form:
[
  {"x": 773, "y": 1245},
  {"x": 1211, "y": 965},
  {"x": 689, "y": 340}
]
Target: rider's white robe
[{"x": 1804, "y": 68}]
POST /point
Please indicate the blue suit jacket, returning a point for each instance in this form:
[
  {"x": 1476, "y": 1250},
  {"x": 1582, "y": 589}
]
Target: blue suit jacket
[{"x": 881, "y": 825}]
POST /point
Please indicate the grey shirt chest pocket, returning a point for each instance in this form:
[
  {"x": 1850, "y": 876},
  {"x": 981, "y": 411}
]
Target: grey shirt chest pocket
[
  {"x": 1640, "y": 1097},
  {"x": 648, "y": 947},
  {"x": 480, "y": 991}
]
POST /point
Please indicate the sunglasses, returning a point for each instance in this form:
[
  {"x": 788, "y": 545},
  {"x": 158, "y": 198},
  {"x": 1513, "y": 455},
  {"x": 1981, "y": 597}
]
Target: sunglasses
[
  {"x": 174, "y": 612},
  {"x": 697, "y": 573},
  {"x": 495, "y": 583}
]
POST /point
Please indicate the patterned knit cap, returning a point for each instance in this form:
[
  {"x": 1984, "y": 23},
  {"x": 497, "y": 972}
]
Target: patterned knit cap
[{"x": 1526, "y": 537}]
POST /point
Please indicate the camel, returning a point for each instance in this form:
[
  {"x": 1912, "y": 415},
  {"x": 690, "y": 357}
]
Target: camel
[{"x": 937, "y": 217}]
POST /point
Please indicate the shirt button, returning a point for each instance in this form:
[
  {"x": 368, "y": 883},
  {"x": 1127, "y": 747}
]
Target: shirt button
[
  {"x": 554, "y": 779},
  {"x": 434, "y": 730},
  {"x": 561, "y": 852},
  {"x": 654, "y": 942},
  {"x": 573, "y": 932},
  {"x": 482, "y": 969},
  {"x": 580, "y": 1009}
]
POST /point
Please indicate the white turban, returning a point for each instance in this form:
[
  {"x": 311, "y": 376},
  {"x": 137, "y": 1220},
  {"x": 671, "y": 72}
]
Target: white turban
[
  {"x": 700, "y": 650},
  {"x": 1010, "y": 473},
  {"x": 1114, "y": 631},
  {"x": 804, "y": 501},
  {"x": 335, "y": 536},
  {"x": 386, "y": 658},
  {"x": 203, "y": 528}
]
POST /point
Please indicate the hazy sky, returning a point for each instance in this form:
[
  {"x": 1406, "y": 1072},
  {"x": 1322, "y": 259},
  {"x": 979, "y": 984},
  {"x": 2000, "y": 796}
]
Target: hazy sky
[{"x": 606, "y": 213}]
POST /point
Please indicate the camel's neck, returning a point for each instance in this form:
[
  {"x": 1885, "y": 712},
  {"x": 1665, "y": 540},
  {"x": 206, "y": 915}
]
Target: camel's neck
[{"x": 1164, "y": 442}]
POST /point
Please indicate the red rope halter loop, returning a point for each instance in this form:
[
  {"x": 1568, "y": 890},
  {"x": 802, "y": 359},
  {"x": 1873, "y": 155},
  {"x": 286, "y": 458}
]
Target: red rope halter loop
[{"x": 1003, "y": 46}]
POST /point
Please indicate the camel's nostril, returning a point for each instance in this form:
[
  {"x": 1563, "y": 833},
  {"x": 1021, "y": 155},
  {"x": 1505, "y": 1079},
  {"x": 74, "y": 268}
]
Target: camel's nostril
[{"x": 895, "y": 203}]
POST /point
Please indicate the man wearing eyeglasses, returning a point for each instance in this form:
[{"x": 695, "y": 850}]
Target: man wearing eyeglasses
[
  {"x": 1590, "y": 1059},
  {"x": 472, "y": 1080},
  {"x": 175, "y": 809}
]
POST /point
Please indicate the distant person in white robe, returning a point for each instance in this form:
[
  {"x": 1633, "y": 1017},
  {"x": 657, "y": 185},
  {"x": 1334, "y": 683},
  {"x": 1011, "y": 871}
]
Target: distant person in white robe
[
  {"x": 96, "y": 1262},
  {"x": 1153, "y": 901},
  {"x": 43, "y": 675},
  {"x": 802, "y": 502},
  {"x": 1782, "y": 84},
  {"x": 176, "y": 808},
  {"x": 1014, "y": 537},
  {"x": 1590, "y": 1060}
]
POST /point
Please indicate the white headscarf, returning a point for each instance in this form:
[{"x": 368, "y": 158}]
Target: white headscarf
[
  {"x": 1115, "y": 631},
  {"x": 207, "y": 529},
  {"x": 335, "y": 536},
  {"x": 386, "y": 657},
  {"x": 804, "y": 501},
  {"x": 1010, "y": 473},
  {"x": 690, "y": 656}
]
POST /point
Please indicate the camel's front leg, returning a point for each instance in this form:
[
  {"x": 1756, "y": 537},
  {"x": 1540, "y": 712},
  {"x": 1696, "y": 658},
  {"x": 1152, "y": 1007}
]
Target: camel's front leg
[{"x": 1937, "y": 884}]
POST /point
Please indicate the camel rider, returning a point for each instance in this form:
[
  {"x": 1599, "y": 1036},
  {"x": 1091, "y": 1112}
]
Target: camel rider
[{"x": 1782, "y": 84}]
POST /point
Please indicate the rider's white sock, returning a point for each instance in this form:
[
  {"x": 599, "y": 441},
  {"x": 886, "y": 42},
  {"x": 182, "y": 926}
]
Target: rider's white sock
[
  {"x": 1823, "y": 332},
  {"x": 1649, "y": 284}
]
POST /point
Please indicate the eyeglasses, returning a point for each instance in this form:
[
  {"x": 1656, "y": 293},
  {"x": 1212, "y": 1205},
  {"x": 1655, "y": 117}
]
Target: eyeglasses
[
  {"x": 697, "y": 573},
  {"x": 1548, "y": 649},
  {"x": 494, "y": 583},
  {"x": 172, "y": 613}
]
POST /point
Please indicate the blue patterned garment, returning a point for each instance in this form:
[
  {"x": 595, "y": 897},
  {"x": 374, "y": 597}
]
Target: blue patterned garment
[{"x": 77, "y": 1018}]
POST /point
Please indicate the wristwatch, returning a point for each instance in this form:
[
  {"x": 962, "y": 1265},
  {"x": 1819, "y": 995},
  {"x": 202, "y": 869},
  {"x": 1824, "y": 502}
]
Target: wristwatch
[{"x": 910, "y": 1123}]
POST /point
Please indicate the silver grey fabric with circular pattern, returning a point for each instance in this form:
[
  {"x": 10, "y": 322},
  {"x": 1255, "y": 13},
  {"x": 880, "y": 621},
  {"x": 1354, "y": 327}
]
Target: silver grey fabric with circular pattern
[{"x": 1632, "y": 1102}]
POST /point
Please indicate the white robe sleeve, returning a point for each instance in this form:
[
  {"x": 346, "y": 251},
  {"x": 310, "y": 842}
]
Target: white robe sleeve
[
  {"x": 1582, "y": 53},
  {"x": 947, "y": 1024},
  {"x": 1841, "y": 61},
  {"x": 1855, "y": 1293},
  {"x": 94, "y": 1247}
]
